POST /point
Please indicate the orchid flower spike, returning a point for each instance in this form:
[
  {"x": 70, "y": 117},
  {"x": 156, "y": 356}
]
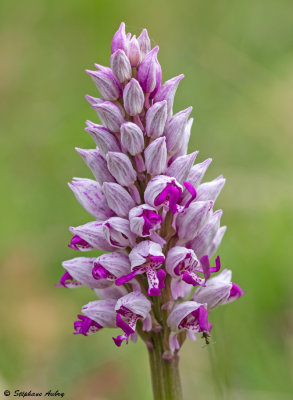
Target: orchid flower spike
[{"x": 151, "y": 211}]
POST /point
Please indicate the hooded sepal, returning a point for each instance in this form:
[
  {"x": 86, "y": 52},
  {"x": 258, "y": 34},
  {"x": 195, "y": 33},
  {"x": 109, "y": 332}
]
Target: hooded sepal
[
  {"x": 79, "y": 273},
  {"x": 117, "y": 232},
  {"x": 91, "y": 196},
  {"x": 118, "y": 198},
  {"x": 88, "y": 237}
]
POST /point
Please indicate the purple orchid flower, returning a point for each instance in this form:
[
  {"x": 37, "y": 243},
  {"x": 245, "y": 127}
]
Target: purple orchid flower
[
  {"x": 129, "y": 309},
  {"x": 147, "y": 257}
]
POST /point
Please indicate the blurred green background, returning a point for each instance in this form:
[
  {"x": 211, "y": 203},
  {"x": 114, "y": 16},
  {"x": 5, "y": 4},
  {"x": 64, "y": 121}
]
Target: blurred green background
[{"x": 237, "y": 58}]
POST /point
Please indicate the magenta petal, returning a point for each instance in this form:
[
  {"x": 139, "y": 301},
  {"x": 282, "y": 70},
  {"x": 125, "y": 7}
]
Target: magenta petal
[
  {"x": 202, "y": 315},
  {"x": 205, "y": 262},
  {"x": 189, "y": 279},
  {"x": 99, "y": 272},
  {"x": 161, "y": 274},
  {"x": 154, "y": 292},
  {"x": 123, "y": 325},
  {"x": 192, "y": 191},
  {"x": 235, "y": 292},
  {"x": 119, "y": 339},
  {"x": 218, "y": 265},
  {"x": 126, "y": 278}
]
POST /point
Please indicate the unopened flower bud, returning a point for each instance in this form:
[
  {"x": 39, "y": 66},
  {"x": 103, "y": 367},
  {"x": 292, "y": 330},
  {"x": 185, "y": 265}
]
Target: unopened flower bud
[
  {"x": 167, "y": 92},
  {"x": 105, "y": 139},
  {"x": 118, "y": 199},
  {"x": 132, "y": 138},
  {"x": 156, "y": 156},
  {"x": 181, "y": 166},
  {"x": 191, "y": 221},
  {"x": 210, "y": 190},
  {"x": 146, "y": 73},
  {"x": 155, "y": 120},
  {"x": 121, "y": 168},
  {"x": 174, "y": 129},
  {"x": 133, "y": 98},
  {"x": 201, "y": 243},
  {"x": 217, "y": 241},
  {"x": 110, "y": 115},
  {"x": 184, "y": 142},
  {"x": 97, "y": 164},
  {"x": 144, "y": 43},
  {"x": 120, "y": 66},
  {"x": 119, "y": 39},
  {"x": 106, "y": 83},
  {"x": 158, "y": 79},
  {"x": 134, "y": 52},
  {"x": 91, "y": 197}
]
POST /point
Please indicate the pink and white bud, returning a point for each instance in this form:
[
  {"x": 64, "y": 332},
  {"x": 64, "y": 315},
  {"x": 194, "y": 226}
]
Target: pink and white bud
[
  {"x": 155, "y": 120},
  {"x": 185, "y": 140},
  {"x": 133, "y": 97},
  {"x": 144, "y": 43},
  {"x": 156, "y": 156},
  {"x": 192, "y": 220},
  {"x": 174, "y": 130},
  {"x": 97, "y": 164},
  {"x": 147, "y": 71},
  {"x": 79, "y": 273},
  {"x": 110, "y": 115},
  {"x": 119, "y": 39},
  {"x": 118, "y": 199},
  {"x": 210, "y": 190},
  {"x": 110, "y": 267},
  {"x": 195, "y": 176},
  {"x": 167, "y": 92},
  {"x": 129, "y": 309},
  {"x": 93, "y": 100},
  {"x": 91, "y": 196},
  {"x": 133, "y": 52},
  {"x": 217, "y": 241},
  {"x": 197, "y": 172},
  {"x": 121, "y": 168},
  {"x": 102, "y": 312},
  {"x": 144, "y": 220},
  {"x": 180, "y": 167},
  {"x": 106, "y": 83},
  {"x": 132, "y": 138},
  {"x": 117, "y": 232},
  {"x": 120, "y": 65},
  {"x": 202, "y": 242},
  {"x": 158, "y": 79},
  {"x": 104, "y": 139},
  {"x": 219, "y": 290},
  {"x": 88, "y": 237}
]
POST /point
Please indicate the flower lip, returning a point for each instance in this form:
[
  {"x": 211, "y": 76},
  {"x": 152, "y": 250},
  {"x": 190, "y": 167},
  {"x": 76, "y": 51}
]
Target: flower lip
[
  {"x": 77, "y": 243},
  {"x": 85, "y": 326}
]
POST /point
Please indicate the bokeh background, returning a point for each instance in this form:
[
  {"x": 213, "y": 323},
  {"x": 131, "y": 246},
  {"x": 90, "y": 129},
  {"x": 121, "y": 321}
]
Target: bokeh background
[{"x": 237, "y": 58}]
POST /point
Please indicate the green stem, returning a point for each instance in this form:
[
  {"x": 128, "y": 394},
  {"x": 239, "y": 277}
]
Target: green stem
[{"x": 165, "y": 373}]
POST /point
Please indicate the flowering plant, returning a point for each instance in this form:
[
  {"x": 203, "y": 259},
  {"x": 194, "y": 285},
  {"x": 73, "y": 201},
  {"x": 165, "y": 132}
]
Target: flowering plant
[{"x": 152, "y": 216}]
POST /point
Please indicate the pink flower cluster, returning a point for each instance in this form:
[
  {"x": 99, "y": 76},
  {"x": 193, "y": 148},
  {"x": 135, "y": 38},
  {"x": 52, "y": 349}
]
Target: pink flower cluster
[{"x": 151, "y": 214}]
